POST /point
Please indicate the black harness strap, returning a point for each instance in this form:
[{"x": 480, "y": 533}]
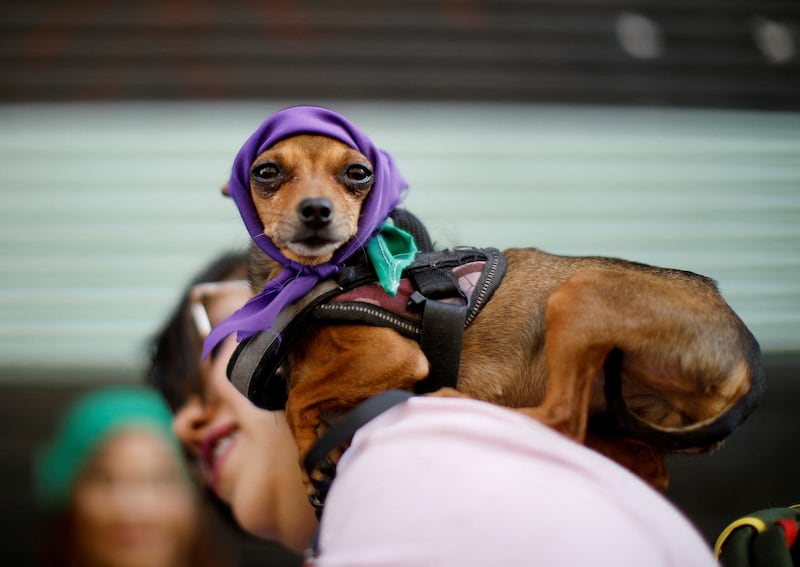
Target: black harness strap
[
  {"x": 340, "y": 434},
  {"x": 442, "y": 327},
  {"x": 337, "y": 436},
  {"x": 442, "y": 333},
  {"x": 253, "y": 357}
]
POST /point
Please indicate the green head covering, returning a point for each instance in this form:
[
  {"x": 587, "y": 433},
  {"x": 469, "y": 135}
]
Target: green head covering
[{"x": 89, "y": 422}]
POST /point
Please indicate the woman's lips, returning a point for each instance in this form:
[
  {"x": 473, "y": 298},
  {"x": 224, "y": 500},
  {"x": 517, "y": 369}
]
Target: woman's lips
[{"x": 217, "y": 446}]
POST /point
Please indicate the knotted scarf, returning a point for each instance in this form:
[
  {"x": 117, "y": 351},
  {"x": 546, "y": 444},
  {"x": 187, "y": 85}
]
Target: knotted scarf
[{"x": 296, "y": 280}]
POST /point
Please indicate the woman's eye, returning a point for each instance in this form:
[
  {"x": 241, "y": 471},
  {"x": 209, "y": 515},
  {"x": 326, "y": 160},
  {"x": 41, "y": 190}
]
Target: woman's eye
[
  {"x": 358, "y": 173},
  {"x": 266, "y": 172}
]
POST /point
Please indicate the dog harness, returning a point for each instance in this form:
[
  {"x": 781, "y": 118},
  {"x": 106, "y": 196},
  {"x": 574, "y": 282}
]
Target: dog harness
[{"x": 439, "y": 295}]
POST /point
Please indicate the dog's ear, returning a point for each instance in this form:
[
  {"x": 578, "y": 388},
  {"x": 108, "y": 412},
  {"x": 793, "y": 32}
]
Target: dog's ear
[{"x": 225, "y": 191}]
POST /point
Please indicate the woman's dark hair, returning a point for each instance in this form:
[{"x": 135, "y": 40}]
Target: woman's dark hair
[{"x": 174, "y": 368}]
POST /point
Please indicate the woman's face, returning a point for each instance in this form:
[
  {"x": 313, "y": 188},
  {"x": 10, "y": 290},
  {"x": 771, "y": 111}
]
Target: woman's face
[
  {"x": 248, "y": 454},
  {"x": 133, "y": 505}
]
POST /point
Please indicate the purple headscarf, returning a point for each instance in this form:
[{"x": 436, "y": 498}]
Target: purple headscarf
[{"x": 296, "y": 280}]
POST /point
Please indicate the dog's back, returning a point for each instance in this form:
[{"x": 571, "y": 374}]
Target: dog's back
[{"x": 686, "y": 358}]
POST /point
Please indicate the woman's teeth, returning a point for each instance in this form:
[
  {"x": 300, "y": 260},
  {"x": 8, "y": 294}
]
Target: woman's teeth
[{"x": 221, "y": 446}]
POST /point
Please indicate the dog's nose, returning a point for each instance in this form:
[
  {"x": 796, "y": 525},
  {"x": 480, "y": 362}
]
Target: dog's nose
[{"x": 315, "y": 213}]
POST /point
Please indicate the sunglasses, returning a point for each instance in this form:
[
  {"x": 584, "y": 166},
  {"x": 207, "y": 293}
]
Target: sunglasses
[{"x": 229, "y": 295}]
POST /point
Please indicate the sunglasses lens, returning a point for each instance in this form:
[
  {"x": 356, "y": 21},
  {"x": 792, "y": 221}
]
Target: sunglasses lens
[
  {"x": 202, "y": 323},
  {"x": 212, "y": 303}
]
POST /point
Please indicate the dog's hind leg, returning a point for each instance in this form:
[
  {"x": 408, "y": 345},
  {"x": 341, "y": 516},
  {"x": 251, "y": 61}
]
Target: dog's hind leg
[{"x": 680, "y": 342}]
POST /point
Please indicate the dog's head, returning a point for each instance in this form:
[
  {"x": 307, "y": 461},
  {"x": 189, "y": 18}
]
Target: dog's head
[
  {"x": 308, "y": 191},
  {"x": 312, "y": 188}
]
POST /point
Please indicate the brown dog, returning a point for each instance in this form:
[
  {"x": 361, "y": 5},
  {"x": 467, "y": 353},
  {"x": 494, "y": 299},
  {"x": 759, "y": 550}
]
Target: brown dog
[{"x": 540, "y": 344}]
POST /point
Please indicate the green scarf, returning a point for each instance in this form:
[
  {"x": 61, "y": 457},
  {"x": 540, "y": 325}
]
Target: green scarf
[
  {"x": 89, "y": 422},
  {"x": 391, "y": 251}
]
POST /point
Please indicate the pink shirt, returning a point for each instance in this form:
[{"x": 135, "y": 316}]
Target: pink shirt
[{"x": 457, "y": 482}]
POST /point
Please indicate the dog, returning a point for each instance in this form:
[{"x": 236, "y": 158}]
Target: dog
[{"x": 542, "y": 343}]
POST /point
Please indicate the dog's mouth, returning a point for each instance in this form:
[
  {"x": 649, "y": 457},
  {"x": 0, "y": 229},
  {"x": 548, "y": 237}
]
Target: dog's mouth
[
  {"x": 310, "y": 245},
  {"x": 314, "y": 246}
]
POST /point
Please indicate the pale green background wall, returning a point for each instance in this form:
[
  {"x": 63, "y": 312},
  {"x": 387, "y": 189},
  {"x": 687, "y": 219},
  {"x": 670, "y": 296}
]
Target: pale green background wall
[{"x": 107, "y": 209}]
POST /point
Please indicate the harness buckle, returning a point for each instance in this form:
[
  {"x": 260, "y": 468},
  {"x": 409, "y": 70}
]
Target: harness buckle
[{"x": 416, "y": 302}]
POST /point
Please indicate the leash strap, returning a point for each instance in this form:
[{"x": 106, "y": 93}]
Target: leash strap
[{"x": 339, "y": 434}]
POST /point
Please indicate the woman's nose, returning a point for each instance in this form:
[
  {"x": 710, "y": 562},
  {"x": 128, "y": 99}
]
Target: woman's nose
[{"x": 191, "y": 421}]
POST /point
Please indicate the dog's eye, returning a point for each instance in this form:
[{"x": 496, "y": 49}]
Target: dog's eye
[
  {"x": 358, "y": 173},
  {"x": 266, "y": 172}
]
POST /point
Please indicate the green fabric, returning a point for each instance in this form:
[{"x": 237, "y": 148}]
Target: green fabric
[
  {"x": 390, "y": 252},
  {"x": 87, "y": 423},
  {"x": 745, "y": 546}
]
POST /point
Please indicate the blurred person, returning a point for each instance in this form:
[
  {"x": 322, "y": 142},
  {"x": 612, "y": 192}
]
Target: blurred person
[
  {"x": 247, "y": 454},
  {"x": 116, "y": 489}
]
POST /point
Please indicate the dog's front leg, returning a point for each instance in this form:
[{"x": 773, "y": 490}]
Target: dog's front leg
[
  {"x": 565, "y": 406},
  {"x": 577, "y": 344},
  {"x": 342, "y": 365}
]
